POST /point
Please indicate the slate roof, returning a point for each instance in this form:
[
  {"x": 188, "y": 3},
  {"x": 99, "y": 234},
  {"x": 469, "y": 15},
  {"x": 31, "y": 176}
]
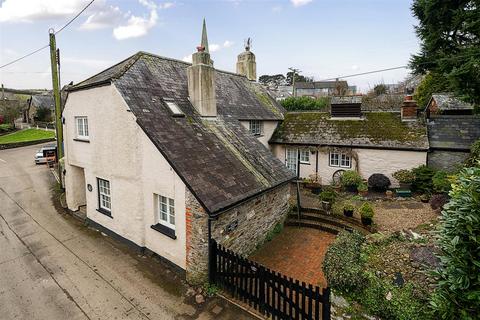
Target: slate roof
[
  {"x": 43, "y": 101},
  {"x": 446, "y": 101},
  {"x": 320, "y": 84},
  {"x": 453, "y": 132},
  {"x": 383, "y": 130},
  {"x": 218, "y": 160}
]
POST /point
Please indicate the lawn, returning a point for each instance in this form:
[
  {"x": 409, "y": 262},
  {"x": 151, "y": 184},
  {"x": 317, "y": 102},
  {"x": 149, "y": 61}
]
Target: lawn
[{"x": 26, "y": 135}]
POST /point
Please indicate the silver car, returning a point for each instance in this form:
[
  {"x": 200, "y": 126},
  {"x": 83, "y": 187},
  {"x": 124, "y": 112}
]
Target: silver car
[{"x": 41, "y": 155}]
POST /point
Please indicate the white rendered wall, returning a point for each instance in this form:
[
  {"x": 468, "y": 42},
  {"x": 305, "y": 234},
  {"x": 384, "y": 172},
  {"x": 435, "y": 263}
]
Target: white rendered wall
[
  {"x": 119, "y": 151},
  {"x": 268, "y": 129}
]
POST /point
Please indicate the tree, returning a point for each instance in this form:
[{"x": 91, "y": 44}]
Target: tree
[
  {"x": 429, "y": 85},
  {"x": 458, "y": 289},
  {"x": 380, "y": 89},
  {"x": 449, "y": 32},
  {"x": 305, "y": 103},
  {"x": 272, "y": 80},
  {"x": 298, "y": 78},
  {"x": 10, "y": 110}
]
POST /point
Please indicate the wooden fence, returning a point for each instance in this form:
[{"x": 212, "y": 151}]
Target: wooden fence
[{"x": 267, "y": 291}]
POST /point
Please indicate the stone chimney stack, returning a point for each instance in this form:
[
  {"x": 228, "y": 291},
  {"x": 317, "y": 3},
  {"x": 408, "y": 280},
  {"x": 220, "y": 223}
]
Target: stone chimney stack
[
  {"x": 409, "y": 109},
  {"x": 246, "y": 64},
  {"x": 201, "y": 79}
]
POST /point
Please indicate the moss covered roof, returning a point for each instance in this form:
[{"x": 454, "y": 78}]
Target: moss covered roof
[{"x": 375, "y": 129}]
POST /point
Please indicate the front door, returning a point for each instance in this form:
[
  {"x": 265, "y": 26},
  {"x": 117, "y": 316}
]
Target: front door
[{"x": 291, "y": 159}]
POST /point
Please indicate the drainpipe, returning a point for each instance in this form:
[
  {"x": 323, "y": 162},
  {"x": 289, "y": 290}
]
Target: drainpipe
[
  {"x": 209, "y": 253},
  {"x": 298, "y": 183}
]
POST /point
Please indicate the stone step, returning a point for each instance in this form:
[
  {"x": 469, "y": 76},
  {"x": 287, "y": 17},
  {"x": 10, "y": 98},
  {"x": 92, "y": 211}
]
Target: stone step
[
  {"x": 330, "y": 220},
  {"x": 313, "y": 224},
  {"x": 350, "y": 221}
]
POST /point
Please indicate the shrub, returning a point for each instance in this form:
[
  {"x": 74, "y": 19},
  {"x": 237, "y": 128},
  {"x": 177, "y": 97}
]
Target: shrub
[
  {"x": 362, "y": 187},
  {"x": 6, "y": 127},
  {"x": 474, "y": 158},
  {"x": 423, "y": 179},
  {"x": 458, "y": 292},
  {"x": 404, "y": 176},
  {"x": 328, "y": 194},
  {"x": 437, "y": 201},
  {"x": 379, "y": 182},
  {"x": 366, "y": 213},
  {"x": 342, "y": 265},
  {"x": 348, "y": 206},
  {"x": 402, "y": 305},
  {"x": 305, "y": 103},
  {"x": 441, "y": 182},
  {"x": 350, "y": 178}
]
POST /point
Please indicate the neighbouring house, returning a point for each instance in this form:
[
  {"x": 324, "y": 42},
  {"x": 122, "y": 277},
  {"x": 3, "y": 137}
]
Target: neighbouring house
[
  {"x": 41, "y": 107},
  {"x": 280, "y": 93},
  {"x": 452, "y": 128},
  {"x": 165, "y": 154},
  {"x": 321, "y": 88},
  {"x": 321, "y": 145},
  {"x": 447, "y": 104}
]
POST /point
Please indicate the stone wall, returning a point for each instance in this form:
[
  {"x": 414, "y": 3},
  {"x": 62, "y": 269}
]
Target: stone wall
[
  {"x": 239, "y": 229},
  {"x": 446, "y": 160}
]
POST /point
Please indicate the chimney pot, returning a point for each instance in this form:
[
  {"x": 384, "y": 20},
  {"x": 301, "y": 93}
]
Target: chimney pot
[{"x": 409, "y": 109}]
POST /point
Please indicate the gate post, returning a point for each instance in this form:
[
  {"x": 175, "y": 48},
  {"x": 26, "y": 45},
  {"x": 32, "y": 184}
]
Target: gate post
[
  {"x": 212, "y": 261},
  {"x": 326, "y": 304},
  {"x": 261, "y": 288}
]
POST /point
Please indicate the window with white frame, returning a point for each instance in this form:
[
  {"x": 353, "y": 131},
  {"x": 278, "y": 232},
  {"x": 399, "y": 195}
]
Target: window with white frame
[
  {"x": 338, "y": 159},
  {"x": 165, "y": 211},
  {"x": 304, "y": 156},
  {"x": 255, "y": 127},
  {"x": 81, "y": 124},
  {"x": 104, "y": 196}
]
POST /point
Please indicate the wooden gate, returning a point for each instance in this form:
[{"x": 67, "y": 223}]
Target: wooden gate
[{"x": 269, "y": 292}]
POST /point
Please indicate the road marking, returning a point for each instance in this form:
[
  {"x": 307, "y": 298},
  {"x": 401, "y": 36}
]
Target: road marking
[{"x": 3, "y": 161}]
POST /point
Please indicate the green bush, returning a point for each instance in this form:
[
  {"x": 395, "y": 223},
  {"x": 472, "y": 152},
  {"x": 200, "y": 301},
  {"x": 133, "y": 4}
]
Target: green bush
[
  {"x": 305, "y": 103},
  {"x": 423, "y": 179},
  {"x": 400, "y": 304},
  {"x": 441, "y": 182},
  {"x": 350, "y": 178},
  {"x": 6, "y": 127},
  {"x": 328, "y": 195},
  {"x": 342, "y": 265},
  {"x": 366, "y": 213},
  {"x": 404, "y": 176},
  {"x": 474, "y": 158},
  {"x": 458, "y": 292}
]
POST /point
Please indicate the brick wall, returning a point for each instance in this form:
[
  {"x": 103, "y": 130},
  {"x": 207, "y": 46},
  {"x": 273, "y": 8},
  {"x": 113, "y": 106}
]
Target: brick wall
[{"x": 240, "y": 229}]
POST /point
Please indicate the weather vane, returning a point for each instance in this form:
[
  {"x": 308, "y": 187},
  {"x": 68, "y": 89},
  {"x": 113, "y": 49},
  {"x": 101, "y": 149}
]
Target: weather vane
[{"x": 248, "y": 44}]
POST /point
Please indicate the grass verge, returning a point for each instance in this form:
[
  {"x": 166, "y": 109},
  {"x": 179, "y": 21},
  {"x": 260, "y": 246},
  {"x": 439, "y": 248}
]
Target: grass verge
[{"x": 26, "y": 135}]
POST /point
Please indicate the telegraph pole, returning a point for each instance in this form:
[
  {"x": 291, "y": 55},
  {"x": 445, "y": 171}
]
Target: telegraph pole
[
  {"x": 295, "y": 71},
  {"x": 56, "y": 96}
]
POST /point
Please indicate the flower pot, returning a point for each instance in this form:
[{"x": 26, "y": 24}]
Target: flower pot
[
  {"x": 348, "y": 213},
  {"x": 313, "y": 185},
  {"x": 326, "y": 206},
  {"x": 337, "y": 188},
  {"x": 389, "y": 193},
  {"x": 351, "y": 188},
  {"x": 366, "y": 221}
]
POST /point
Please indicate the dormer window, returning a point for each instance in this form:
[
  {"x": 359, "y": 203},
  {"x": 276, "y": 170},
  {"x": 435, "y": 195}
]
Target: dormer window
[
  {"x": 174, "y": 108},
  {"x": 255, "y": 127},
  {"x": 346, "y": 107}
]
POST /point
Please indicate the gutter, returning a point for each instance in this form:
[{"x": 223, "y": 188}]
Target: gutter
[{"x": 347, "y": 145}]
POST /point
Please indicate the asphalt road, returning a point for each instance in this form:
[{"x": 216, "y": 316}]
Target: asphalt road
[{"x": 53, "y": 267}]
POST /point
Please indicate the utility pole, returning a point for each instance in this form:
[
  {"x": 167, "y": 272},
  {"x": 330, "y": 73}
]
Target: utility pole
[
  {"x": 56, "y": 95},
  {"x": 295, "y": 71}
]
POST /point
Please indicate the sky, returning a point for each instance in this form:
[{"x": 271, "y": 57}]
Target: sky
[{"x": 322, "y": 38}]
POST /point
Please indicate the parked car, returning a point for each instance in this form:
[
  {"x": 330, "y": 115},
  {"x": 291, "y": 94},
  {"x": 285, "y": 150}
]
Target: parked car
[{"x": 44, "y": 153}]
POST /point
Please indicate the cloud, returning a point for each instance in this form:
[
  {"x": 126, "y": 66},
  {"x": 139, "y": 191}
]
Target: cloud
[
  {"x": 166, "y": 5},
  {"x": 104, "y": 18},
  {"x": 138, "y": 26},
  {"x": 34, "y": 10},
  {"x": 299, "y": 3},
  {"x": 216, "y": 47},
  {"x": 277, "y": 8},
  {"x": 354, "y": 67},
  {"x": 187, "y": 58}
]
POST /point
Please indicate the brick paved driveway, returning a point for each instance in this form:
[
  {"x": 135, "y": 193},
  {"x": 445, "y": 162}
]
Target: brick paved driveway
[{"x": 297, "y": 253}]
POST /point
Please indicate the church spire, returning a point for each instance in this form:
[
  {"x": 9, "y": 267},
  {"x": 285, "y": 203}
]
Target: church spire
[{"x": 204, "y": 43}]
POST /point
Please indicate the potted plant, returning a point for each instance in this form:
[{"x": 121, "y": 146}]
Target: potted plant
[
  {"x": 424, "y": 198},
  {"x": 350, "y": 180},
  {"x": 362, "y": 189},
  {"x": 405, "y": 178},
  {"x": 366, "y": 213},
  {"x": 389, "y": 193},
  {"x": 327, "y": 196},
  {"x": 312, "y": 182},
  {"x": 348, "y": 209}
]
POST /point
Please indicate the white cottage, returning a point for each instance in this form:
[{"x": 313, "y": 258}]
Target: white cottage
[
  {"x": 321, "y": 145},
  {"x": 164, "y": 155}
]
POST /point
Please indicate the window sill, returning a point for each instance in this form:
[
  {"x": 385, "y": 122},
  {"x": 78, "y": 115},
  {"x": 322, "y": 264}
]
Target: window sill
[
  {"x": 307, "y": 163},
  {"x": 105, "y": 212},
  {"x": 81, "y": 140},
  {"x": 164, "y": 230}
]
